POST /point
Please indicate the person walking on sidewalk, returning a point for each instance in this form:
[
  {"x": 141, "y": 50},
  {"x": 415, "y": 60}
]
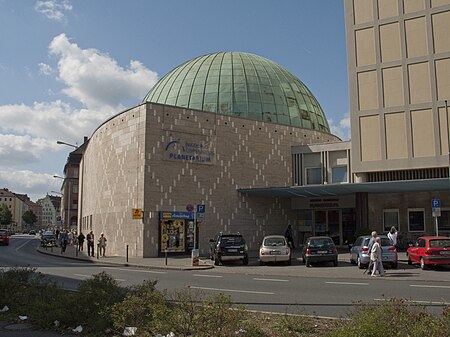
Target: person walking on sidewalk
[
  {"x": 90, "y": 243},
  {"x": 102, "y": 244},
  {"x": 81, "y": 238},
  {"x": 376, "y": 258}
]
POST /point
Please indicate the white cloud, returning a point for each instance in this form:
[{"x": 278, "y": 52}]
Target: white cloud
[
  {"x": 342, "y": 128},
  {"x": 95, "y": 79},
  {"x": 36, "y": 185},
  {"x": 45, "y": 69},
  {"x": 53, "y": 9}
]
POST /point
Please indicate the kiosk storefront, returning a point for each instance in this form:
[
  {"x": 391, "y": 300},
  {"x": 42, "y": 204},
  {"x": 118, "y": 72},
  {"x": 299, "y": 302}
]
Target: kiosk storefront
[{"x": 176, "y": 232}]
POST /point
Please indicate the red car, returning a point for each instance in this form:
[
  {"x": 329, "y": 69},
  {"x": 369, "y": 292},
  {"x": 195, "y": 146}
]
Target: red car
[
  {"x": 430, "y": 251},
  {"x": 4, "y": 239}
]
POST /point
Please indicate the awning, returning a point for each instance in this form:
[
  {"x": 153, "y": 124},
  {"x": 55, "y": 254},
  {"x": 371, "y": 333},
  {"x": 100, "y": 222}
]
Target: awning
[{"x": 311, "y": 191}]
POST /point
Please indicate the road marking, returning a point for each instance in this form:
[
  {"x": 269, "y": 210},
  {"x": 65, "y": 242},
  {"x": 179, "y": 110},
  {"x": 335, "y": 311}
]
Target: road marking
[
  {"x": 23, "y": 244},
  {"x": 119, "y": 280},
  {"x": 203, "y": 275},
  {"x": 349, "y": 283},
  {"x": 82, "y": 275},
  {"x": 417, "y": 301},
  {"x": 425, "y": 286},
  {"x": 233, "y": 290},
  {"x": 138, "y": 271},
  {"x": 270, "y": 279}
]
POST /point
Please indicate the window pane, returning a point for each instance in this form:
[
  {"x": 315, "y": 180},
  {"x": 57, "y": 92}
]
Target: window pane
[
  {"x": 313, "y": 176},
  {"x": 390, "y": 219},
  {"x": 444, "y": 221},
  {"x": 339, "y": 174},
  {"x": 416, "y": 221}
]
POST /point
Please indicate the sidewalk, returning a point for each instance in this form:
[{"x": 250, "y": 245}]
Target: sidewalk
[{"x": 172, "y": 262}]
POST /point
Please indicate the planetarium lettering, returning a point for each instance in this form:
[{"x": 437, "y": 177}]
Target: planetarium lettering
[{"x": 187, "y": 150}]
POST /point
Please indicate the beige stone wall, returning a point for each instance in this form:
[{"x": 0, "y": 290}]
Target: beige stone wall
[
  {"x": 126, "y": 166},
  {"x": 399, "y": 63}
]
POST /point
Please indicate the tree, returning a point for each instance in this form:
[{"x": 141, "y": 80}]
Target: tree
[
  {"x": 29, "y": 217},
  {"x": 5, "y": 215}
]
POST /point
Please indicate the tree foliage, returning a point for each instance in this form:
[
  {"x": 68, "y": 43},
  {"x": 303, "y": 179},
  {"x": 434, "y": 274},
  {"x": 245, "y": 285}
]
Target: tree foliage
[
  {"x": 29, "y": 217},
  {"x": 5, "y": 215}
]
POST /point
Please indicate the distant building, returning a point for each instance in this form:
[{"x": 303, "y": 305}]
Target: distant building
[
  {"x": 18, "y": 204},
  {"x": 51, "y": 211}
]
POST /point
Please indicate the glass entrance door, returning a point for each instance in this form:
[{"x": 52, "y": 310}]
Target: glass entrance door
[{"x": 328, "y": 222}]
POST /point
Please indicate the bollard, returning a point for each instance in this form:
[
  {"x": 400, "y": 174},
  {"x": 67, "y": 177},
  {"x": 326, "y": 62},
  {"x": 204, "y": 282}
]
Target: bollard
[
  {"x": 76, "y": 250},
  {"x": 165, "y": 254},
  {"x": 98, "y": 248},
  {"x": 127, "y": 253}
]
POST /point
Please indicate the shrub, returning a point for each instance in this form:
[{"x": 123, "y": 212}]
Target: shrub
[{"x": 393, "y": 317}]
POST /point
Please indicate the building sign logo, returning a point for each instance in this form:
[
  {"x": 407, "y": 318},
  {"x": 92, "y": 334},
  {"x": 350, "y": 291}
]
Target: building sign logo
[{"x": 198, "y": 151}]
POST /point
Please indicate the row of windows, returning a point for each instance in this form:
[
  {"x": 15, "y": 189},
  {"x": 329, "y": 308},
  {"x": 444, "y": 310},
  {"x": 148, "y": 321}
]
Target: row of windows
[
  {"x": 313, "y": 175},
  {"x": 416, "y": 219}
]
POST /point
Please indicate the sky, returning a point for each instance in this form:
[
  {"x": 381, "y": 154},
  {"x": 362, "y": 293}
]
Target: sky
[{"x": 68, "y": 65}]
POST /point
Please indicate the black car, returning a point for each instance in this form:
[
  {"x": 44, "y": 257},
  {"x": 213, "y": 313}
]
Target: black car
[
  {"x": 319, "y": 249},
  {"x": 228, "y": 247},
  {"x": 48, "y": 239}
]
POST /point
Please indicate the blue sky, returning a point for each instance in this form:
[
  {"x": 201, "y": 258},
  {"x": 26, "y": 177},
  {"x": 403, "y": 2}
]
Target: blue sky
[{"x": 67, "y": 65}]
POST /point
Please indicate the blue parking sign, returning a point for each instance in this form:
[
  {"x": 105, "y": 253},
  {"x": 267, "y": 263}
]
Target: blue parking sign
[
  {"x": 200, "y": 208},
  {"x": 435, "y": 203}
]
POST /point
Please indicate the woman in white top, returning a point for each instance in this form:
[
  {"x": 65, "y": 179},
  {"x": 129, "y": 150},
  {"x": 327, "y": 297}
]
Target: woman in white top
[
  {"x": 392, "y": 235},
  {"x": 376, "y": 257}
]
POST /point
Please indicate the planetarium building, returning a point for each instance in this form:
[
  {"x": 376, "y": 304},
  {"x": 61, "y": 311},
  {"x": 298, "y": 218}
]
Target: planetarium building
[{"x": 211, "y": 128}]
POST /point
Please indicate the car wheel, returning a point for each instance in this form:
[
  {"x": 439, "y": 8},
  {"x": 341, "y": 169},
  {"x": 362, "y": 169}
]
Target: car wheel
[
  {"x": 335, "y": 263},
  {"x": 422, "y": 264},
  {"x": 394, "y": 265},
  {"x": 358, "y": 262},
  {"x": 261, "y": 263},
  {"x": 216, "y": 260},
  {"x": 308, "y": 264},
  {"x": 288, "y": 262},
  {"x": 245, "y": 260}
]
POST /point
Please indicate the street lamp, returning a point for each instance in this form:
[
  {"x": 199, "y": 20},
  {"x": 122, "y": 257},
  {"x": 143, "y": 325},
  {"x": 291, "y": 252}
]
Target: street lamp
[{"x": 64, "y": 143}]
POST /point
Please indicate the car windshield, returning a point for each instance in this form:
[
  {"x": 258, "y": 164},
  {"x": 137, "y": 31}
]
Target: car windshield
[
  {"x": 274, "y": 242},
  {"x": 321, "y": 243},
  {"x": 232, "y": 240},
  {"x": 439, "y": 243},
  {"x": 2, "y": 231},
  {"x": 386, "y": 242}
]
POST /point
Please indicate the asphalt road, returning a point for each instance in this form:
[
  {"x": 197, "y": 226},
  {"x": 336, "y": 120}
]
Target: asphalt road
[{"x": 323, "y": 290}]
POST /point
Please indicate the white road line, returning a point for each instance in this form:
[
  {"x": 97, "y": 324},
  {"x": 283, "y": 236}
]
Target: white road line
[
  {"x": 270, "y": 279},
  {"x": 425, "y": 286},
  {"x": 138, "y": 271},
  {"x": 203, "y": 275},
  {"x": 82, "y": 275},
  {"x": 119, "y": 280},
  {"x": 349, "y": 283},
  {"x": 23, "y": 244},
  {"x": 416, "y": 301},
  {"x": 233, "y": 290}
]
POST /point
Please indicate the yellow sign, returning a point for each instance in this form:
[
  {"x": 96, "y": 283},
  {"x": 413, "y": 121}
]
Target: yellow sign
[{"x": 137, "y": 213}]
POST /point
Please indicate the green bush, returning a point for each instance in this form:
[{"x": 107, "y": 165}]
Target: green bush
[{"x": 393, "y": 317}]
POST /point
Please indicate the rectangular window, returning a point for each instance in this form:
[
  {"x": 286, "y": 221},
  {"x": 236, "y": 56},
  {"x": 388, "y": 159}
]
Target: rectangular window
[
  {"x": 313, "y": 176},
  {"x": 339, "y": 174},
  {"x": 416, "y": 219},
  {"x": 391, "y": 218},
  {"x": 444, "y": 221}
]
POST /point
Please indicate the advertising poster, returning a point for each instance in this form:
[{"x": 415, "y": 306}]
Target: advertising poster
[{"x": 172, "y": 235}]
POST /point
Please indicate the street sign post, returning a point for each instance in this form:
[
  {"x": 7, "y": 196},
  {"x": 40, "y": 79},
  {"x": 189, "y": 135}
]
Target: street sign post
[{"x": 436, "y": 211}]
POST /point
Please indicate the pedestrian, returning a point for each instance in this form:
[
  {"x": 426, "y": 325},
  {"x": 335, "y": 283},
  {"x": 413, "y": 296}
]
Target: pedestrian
[
  {"x": 81, "y": 238},
  {"x": 90, "y": 243},
  {"x": 392, "y": 235},
  {"x": 289, "y": 235},
  {"x": 102, "y": 244},
  {"x": 70, "y": 238},
  {"x": 374, "y": 234},
  {"x": 376, "y": 258},
  {"x": 63, "y": 240}
]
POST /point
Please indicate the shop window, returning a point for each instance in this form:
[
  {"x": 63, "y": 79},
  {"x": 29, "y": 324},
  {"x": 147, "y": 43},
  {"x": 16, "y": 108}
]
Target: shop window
[
  {"x": 313, "y": 176},
  {"x": 339, "y": 174},
  {"x": 416, "y": 220},
  {"x": 444, "y": 221},
  {"x": 391, "y": 218}
]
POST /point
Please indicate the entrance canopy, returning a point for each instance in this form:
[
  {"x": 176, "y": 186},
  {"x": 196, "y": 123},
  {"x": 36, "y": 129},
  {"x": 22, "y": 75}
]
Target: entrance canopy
[{"x": 308, "y": 191}]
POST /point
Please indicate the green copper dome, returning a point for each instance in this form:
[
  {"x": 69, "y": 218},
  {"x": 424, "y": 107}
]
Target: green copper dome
[{"x": 243, "y": 85}]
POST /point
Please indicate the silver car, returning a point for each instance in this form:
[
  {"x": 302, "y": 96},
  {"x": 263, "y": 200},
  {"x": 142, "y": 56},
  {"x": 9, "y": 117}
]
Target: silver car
[
  {"x": 274, "y": 248},
  {"x": 360, "y": 255}
]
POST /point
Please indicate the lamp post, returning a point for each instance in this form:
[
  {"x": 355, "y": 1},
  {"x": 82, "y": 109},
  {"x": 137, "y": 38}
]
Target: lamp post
[{"x": 68, "y": 144}]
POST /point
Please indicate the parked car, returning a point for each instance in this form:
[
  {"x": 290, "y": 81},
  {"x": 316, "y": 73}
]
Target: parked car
[
  {"x": 228, "y": 247},
  {"x": 4, "y": 237},
  {"x": 48, "y": 239},
  {"x": 32, "y": 232},
  {"x": 319, "y": 249},
  {"x": 274, "y": 248},
  {"x": 360, "y": 255},
  {"x": 430, "y": 251}
]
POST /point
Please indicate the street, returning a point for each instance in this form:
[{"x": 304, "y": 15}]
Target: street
[{"x": 321, "y": 290}]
